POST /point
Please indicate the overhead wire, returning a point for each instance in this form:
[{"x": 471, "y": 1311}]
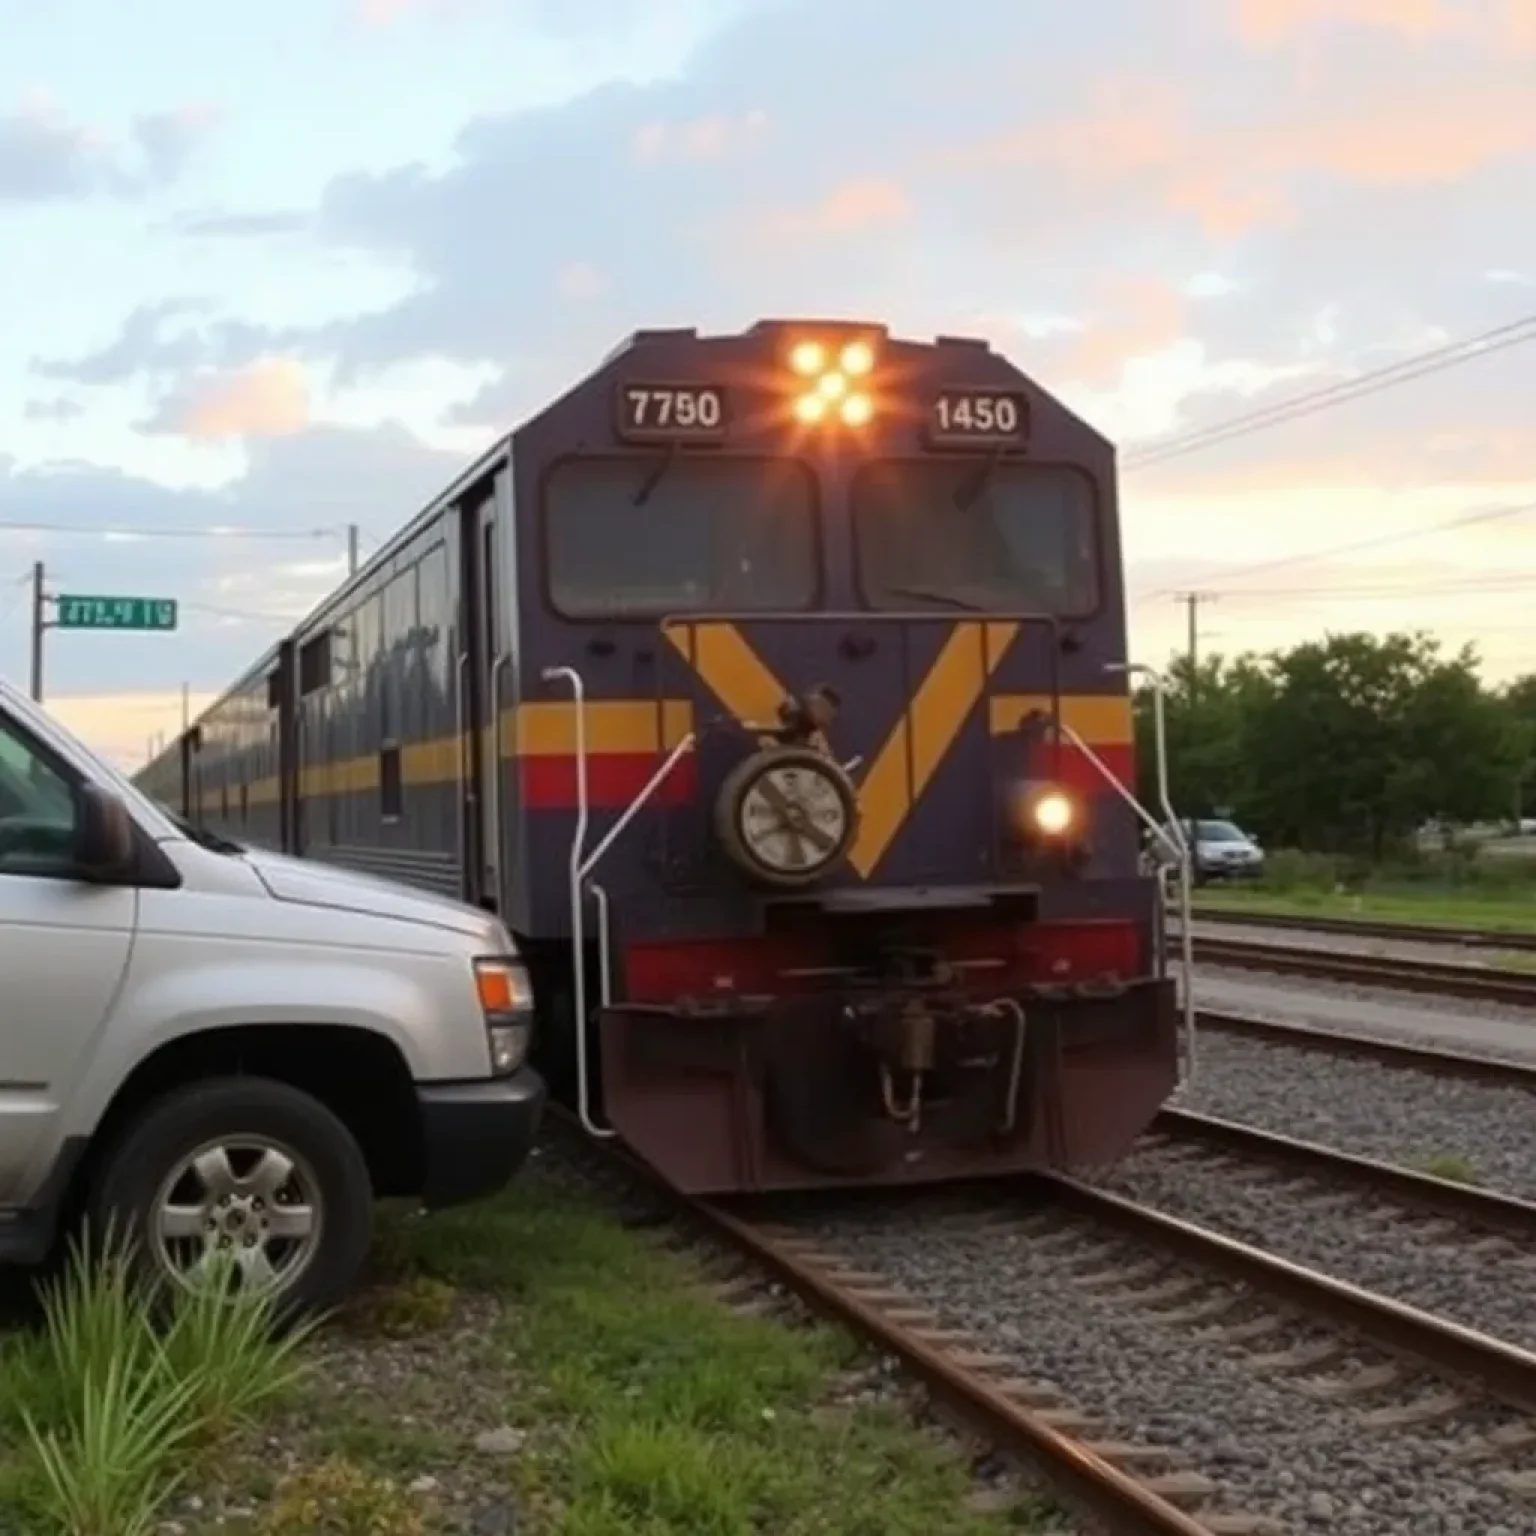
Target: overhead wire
[
  {"x": 1377, "y": 541},
  {"x": 16, "y": 525},
  {"x": 1500, "y": 338}
]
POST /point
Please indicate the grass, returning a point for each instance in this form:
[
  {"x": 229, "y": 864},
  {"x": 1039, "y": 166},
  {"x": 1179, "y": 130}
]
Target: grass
[
  {"x": 122, "y": 1393},
  {"x": 1511, "y": 910},
  {"x": 1451, "y": 1166},
  {"x": 584, "y": 1381}
]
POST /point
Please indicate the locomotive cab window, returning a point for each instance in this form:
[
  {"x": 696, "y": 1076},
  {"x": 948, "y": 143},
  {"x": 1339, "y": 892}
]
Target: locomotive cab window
[
  {"x": 641, "y": 535},
  {"x": 952, "y": 533}
]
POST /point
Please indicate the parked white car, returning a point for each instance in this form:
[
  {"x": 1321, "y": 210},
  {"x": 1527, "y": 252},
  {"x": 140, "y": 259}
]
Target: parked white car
[
  {"x": 1219, "y": 850},
  {"x": 224, "y": 1051}
]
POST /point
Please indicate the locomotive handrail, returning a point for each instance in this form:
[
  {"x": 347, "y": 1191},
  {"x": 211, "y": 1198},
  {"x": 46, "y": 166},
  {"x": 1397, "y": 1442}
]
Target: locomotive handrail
[
  {"x": 581, "y": 865},
  {"x": 1174, "y": 835}
]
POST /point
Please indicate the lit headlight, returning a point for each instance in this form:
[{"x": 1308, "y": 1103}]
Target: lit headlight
[
  {"x": 506, "y": 1001},
  {"x": 1047, "y": 812},
  {"x": 1053, "y": 813},
  {"x": 826, "y": 383}
]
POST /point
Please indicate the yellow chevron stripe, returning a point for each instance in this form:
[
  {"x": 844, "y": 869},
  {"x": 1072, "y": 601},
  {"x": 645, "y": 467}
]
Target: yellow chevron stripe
[
  {"x": 919, "y": 740},
  {"x": 731, "y": 670}
]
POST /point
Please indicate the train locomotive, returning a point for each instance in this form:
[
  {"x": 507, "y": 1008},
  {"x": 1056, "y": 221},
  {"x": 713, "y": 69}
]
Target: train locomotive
[{"x": 772, "y": 687}]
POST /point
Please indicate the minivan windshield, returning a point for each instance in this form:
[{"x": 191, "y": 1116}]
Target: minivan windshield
[{"x": 1218, "y": 832}]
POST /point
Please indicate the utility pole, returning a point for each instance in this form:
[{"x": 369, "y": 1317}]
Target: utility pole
[
  {"x": 39, "y": 624},
  {"x": 186, "y": 707},
  {"x": 351, "y": 549},
  {"x": 1192, "y": 601}
]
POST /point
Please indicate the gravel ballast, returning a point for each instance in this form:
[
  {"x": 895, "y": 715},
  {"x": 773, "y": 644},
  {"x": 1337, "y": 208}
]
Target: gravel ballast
[
  {"x": 1437, "y": 1265},
  {"x": 1272, "y": 1445},
  {"x": 1304, "y": 940},
  {"x": 1393, "y": 1114}
]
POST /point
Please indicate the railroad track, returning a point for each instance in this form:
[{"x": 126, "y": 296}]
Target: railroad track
[
  {"x": 1249, "y": 1323},
  {"x": 1480, "y": 1211},
  {"x": 1395, "y": 972},
  {"x": 1404, "y": 1054},
  {"x": 1360, "y": 928}
]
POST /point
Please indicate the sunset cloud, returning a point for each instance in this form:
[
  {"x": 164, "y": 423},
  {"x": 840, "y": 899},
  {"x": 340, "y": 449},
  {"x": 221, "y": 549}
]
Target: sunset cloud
[
  {"x": 712, "y": 137},
  {"x": 1167, "y": 214},
  {"x": 270, "y": 398},
  {"x": 1269, "y": 21}
]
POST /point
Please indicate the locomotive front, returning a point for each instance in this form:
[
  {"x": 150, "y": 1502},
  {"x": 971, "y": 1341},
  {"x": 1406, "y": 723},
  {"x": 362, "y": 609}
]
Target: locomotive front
[{"x": 824, "y": 760}]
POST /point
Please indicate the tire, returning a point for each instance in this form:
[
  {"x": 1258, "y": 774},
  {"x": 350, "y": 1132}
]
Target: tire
[{"x": 313, "y": 1265}]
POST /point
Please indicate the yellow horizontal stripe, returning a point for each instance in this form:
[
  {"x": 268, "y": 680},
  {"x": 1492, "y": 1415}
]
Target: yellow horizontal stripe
[
  {"x": 1102, "y": 719},
  {"x": 612, "y": 725},
  {"x": 548, "y": 729}
]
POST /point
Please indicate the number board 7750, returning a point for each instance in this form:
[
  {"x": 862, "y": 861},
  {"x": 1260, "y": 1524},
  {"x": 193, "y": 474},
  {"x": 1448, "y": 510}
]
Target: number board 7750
[{"x": 671, "y": 412}]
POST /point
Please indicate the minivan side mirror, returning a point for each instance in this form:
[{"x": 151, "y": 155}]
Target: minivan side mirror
[{"x": 103, "y": 833}]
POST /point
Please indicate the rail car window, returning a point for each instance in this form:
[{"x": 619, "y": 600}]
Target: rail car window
[
  {"x": 639, "y": 536},
  {"x": 391, "y": 782},
  {"x": 945, "y": 533}
]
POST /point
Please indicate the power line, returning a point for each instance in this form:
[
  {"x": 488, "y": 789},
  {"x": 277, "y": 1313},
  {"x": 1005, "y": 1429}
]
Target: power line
[
  {"x": 1451, "y": 354},
  {"x": 1379, "y": 541},
  {"x": 18, "y": 526}
]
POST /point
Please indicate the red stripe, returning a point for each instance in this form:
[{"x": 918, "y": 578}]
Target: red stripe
[
  {"x": 1075, "y": 772},
  {"x": 613, "y": 780}
]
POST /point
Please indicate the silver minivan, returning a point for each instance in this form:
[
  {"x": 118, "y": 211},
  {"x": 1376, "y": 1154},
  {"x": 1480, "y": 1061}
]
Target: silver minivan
[{"x": 220, "y": 1051}]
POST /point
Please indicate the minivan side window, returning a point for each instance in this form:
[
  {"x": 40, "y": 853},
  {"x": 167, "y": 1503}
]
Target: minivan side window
[{"x": 37, "y": 809}]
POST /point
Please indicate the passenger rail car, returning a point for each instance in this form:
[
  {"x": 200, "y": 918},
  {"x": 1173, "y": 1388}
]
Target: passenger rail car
[{"x": 779, "y": 679}]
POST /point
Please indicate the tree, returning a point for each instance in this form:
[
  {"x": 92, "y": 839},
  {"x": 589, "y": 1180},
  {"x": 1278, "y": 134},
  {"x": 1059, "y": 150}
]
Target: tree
[
  {"x": 1344, "y": 744},
  {"x": 1519, "y": 700}
]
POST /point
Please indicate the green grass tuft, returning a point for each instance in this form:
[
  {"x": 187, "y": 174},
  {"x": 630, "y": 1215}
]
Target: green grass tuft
[{"x": 123, "y": 1388}]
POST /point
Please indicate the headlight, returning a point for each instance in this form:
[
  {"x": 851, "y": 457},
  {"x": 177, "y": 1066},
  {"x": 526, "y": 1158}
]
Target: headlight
[
  {"x": 506, "y": 1002},
  {"x": 1048, "y": 813}
]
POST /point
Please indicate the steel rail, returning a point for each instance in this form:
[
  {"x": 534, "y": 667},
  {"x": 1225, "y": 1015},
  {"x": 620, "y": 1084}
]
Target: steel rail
[
  {"x": 1400, "y": 1053},
  {"x": 1407, "y": 1186},
  {"x": 1499, "y": 1369},
  {"x": 1119, "y": 1503},
  {"x": 1365, "y": 928},
  {"x": 1389, "y": 971}
]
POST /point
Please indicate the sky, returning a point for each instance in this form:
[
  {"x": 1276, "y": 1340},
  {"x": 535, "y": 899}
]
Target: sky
[{"x": 291, "y": 269}]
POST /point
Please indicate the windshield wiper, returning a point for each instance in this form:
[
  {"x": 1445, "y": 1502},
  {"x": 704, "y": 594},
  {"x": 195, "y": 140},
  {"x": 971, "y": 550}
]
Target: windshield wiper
[
  {"x": 647, "y": 487},
  {"x": 966, "y": 496},
  {"x": 209, "y": 840},
  {"x": 926, "y": 595}
]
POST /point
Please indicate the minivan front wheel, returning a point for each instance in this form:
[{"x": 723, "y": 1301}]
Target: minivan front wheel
[{"x": 245, "y": 1177}]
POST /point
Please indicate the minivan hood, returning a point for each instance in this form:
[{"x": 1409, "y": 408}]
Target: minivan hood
[{"x": 308, "y": 884}]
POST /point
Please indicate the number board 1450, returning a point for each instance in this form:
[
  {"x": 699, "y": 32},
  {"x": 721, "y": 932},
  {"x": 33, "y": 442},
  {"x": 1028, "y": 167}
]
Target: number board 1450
[
  {"x": 672, "y": 411},
  {"x": 979, "y": 417}
]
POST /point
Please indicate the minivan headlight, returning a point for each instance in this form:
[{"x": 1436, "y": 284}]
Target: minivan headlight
[{"x": 506, "y": 1002}]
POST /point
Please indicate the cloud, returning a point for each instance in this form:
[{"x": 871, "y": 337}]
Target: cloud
[
  {"x": 268, "y": 398},
  {"x": 161, "y": 339},
  {"x": 291, "y": 505},
  {"x": 1171, "y": 214},
  {"x": 1265, "y": 23},
  {"x": 713, "y": 137},
  {"x": 61, "y": 409},
  {"x": 1270, "y": 21},
  {"x": 46, "y": 157},
  {"x": 851, "y": 208},
  {"x": 582, "y": 280}
]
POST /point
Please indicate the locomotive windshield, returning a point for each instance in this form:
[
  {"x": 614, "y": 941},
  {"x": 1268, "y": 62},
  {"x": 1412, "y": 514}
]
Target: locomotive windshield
[
  {"x": 639, "y": 536},
  {"x": 950, "y": 533}
]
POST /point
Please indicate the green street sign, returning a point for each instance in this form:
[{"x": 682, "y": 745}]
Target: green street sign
[{"x": 76, "y": 612}]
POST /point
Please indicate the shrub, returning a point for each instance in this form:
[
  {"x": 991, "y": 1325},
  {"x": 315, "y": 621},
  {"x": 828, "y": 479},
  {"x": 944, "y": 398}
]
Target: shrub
[
  {"x": 338, "y": 1498},
  {"x": 128, "y": 1380}
]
